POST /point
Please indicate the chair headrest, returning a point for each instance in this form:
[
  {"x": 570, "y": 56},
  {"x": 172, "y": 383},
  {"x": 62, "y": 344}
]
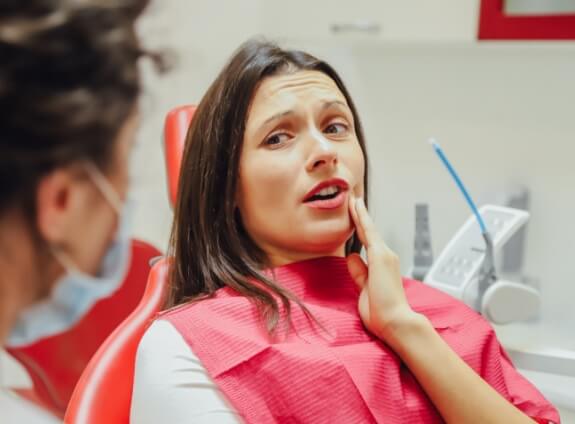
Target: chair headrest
[{"x": 175, "y": 130}]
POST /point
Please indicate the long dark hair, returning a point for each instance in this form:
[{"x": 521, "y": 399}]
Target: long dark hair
[
  {"x": 209, "y": 247},
  {"x": 68, "y": 82}
]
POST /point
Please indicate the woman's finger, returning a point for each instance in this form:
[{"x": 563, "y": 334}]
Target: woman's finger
[
  {"x": 358, "y": 270},
  {"x": 382, "y": 260},
  {"x": 367, "y": 227},
  {"x": 355, "y": 219}
]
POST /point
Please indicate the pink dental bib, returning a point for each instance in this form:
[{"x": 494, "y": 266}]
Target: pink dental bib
[{"x": 339, "y": 373}]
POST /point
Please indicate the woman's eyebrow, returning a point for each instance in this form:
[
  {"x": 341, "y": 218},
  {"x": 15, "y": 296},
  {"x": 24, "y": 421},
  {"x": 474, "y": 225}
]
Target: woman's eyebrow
[
  {"x": 325, "y": 105},
  {"x": 328, "y": 104},
  {"x": 277, "y": 116}
]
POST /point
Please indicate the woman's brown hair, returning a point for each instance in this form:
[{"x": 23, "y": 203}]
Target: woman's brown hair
[{"x": 209, "y": 247}]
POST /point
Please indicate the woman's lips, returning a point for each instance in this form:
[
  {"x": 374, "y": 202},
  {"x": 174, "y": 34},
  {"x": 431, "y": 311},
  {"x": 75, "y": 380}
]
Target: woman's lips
[
  {"x": 339, "y": 183},
  {"x": 332, "y": 203}
]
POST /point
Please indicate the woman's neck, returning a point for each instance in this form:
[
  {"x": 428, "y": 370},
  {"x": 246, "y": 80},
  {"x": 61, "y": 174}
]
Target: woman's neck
[
  {"x": 279, "y": 258},
  {"x": 21, "y": 272}
]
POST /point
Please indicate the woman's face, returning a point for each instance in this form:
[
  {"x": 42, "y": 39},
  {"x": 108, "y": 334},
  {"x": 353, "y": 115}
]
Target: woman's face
[
  {"x": 64, "y": 227},
  {"x": 300, "y": 162},
  {"x": 73, "y": 216},
  {"x": 94, "y": 207}
]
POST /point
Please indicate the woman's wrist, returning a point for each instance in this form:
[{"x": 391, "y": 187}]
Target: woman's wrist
[{"x": 405, "y": 330}]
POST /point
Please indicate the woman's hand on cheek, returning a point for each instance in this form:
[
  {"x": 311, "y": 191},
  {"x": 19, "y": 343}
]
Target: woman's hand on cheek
[{"x": 383, "y": 306}]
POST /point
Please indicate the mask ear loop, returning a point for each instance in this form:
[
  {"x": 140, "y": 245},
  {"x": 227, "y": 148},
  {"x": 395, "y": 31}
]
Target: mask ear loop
[
  {"x": 64, "y": 260},
  {"x": 109, "y": 194},
  {"x": 105, "y": 187}
]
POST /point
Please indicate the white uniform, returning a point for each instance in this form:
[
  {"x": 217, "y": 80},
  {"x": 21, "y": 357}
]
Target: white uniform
[{"x": 172, "y": 386}]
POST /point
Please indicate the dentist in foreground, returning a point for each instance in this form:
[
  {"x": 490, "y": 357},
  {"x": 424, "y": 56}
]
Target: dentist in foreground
[{"x": 69, "y": 85}]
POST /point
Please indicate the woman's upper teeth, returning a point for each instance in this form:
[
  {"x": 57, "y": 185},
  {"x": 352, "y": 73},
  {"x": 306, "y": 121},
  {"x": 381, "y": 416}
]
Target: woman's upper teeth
[{"x": 328, "y": 191}]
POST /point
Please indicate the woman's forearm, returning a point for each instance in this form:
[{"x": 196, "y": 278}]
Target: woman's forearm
[{"x": 456, "y": 390}]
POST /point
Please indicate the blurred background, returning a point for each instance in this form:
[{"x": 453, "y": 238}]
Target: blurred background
[{"x": 502, "y": 108}]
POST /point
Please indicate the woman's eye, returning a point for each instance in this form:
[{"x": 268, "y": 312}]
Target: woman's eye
[
  {"x": 335, "y": 128},
  {"x": 276, "y": 139}
]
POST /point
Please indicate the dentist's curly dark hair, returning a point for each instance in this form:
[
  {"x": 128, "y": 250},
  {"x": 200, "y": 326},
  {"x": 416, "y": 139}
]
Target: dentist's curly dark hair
[{"x": 68, "y": 82}]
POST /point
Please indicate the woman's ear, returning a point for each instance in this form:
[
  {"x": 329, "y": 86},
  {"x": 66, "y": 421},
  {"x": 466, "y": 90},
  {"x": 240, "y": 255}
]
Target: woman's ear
[{"x": 60, "y": 196}]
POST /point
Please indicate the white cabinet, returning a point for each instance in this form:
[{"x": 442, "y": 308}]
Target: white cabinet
[{"x": 387, "y": 20}]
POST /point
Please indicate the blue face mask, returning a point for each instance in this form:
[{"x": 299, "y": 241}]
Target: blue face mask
[{"x": 76, "y": 292}]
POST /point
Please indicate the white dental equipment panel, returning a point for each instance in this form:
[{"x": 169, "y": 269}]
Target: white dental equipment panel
[{"x": 457, "y": 267}]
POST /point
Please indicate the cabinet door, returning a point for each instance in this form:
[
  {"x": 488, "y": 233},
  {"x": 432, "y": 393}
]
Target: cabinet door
[{"x": 390, "y": 20}]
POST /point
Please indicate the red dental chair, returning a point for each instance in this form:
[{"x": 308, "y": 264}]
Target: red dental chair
[
  {"x": 104, "y": 392},
  {"x": 56, "y": 363},
  {"x": 176, "y": 127}
]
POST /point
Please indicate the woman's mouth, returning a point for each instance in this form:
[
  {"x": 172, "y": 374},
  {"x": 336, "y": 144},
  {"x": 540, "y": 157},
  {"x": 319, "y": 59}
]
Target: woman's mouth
[{"x": 327, "y": 195}]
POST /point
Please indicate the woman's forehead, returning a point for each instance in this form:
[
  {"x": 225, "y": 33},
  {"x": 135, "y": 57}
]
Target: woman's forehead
[{"x": 288, "y": 89}]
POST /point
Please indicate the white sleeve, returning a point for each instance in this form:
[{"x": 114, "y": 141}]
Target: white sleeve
[
  {"x": 171, "y": 384},
  {"x": 14, "y": 409}
]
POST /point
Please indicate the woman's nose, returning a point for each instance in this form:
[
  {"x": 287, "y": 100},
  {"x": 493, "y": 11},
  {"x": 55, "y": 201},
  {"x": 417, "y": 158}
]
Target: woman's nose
[{"x": 323, "y": 152}]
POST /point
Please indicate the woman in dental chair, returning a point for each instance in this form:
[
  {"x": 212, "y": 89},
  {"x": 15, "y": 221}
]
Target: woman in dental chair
[{"x": 273, "y": 316}]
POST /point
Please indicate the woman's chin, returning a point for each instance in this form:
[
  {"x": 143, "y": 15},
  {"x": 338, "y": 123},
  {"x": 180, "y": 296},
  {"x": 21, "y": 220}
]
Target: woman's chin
[{"x": 327, "y": 240}]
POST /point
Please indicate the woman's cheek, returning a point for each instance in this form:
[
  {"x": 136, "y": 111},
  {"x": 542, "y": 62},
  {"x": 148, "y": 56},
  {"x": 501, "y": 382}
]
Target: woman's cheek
[
  {"x": 266, "y": 185},
  {"x": 355, "y": 164}
]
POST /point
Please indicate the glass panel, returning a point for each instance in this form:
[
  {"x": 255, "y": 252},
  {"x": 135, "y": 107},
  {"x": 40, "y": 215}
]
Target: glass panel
[{"x": 539, "y": 7}]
